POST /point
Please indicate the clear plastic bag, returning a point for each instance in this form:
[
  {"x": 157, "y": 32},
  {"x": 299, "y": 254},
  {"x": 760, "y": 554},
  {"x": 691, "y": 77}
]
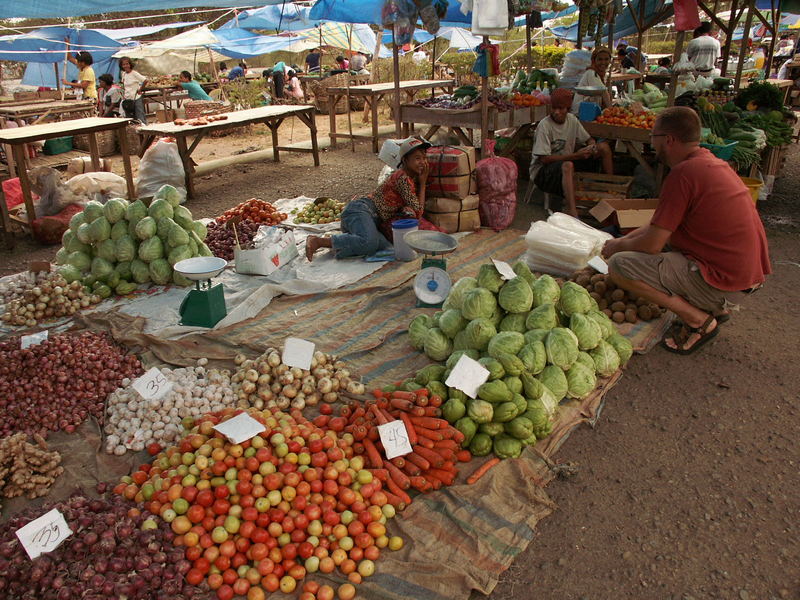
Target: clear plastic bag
[
  {"x": 161, "y": 165},
  {"x": 569, "y": 223}
]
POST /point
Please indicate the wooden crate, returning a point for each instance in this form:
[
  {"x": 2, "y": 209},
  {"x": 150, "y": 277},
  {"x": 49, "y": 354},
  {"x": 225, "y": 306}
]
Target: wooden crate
[
  {"x": 615, "y": 132},
  {"x": 617, "y": 186},
  {"x": 106, "y": 142},
  {"x": 773, "y": 160}
]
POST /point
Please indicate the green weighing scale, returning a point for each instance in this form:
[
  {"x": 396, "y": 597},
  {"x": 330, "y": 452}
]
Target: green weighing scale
[
  {"x": 432, "y": 283},
  {"x": 203, "y": 306}
]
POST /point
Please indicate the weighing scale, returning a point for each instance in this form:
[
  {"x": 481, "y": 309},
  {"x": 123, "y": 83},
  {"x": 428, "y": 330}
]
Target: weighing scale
[
  {"x": 203, "y": 306},
  {"x": 432, "y": 283}
]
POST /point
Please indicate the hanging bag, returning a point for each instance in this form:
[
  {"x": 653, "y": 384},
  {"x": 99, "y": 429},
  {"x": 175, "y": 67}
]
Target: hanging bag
[{"x": 497, "y": 189}]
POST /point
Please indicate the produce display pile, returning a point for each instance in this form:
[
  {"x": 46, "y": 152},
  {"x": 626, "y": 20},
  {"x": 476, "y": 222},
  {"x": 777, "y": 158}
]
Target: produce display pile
[
  {"x": 204, "y": 120},
  {"x": 256, "y": 210},
  {"x": 540, "y": 343},
  {"x": 651, "y": 97},
  {"x": 222, "y": 239},
  {"x": 626, "y": 117},
  {"x": 536, "y": 80},
  {"x": 322, "y": 210},
  {"x": 57, "y": 384},
  {"x": 616, "y": 303},
  {"x": 292, "y": 501},
  {"x": 116, "y": 550},
  {"x": 116, "y": 246},
  {"x": 466, "y": 97},
  {"x": 31, "y": 298},
  {"x": 27, "y": 468}
]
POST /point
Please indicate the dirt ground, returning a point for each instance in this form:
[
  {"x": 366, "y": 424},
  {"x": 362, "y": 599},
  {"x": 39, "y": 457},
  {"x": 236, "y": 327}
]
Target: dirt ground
[{"x": 688, "y": 486}]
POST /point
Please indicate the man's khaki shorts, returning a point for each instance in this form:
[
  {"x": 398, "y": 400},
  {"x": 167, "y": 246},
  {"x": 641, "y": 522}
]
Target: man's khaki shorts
[{"x": 674, "y": 274}]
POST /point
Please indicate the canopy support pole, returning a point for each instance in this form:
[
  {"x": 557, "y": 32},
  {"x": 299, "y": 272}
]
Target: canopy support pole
[
  {"x": 396, "y": 66},
  {"x": 674, "y": 77},
  {"x": 776, "y": 21},
  {"x": 66, "y": 54},
  {"x": 640, "y": 28},
  {"x": 55, "y": 68},
  {"x": 216, "y": 74},
  {"x": 349, "y": 112},
  {"x": 711, "y": 14},
  {"x": 579, "y": 37},
  {"x": 433, "y": 60},
  {"x": 726, "y": 49},
  {"x": 485, "y": 107},
  {"x": 748, "y": 22},
  {"x": 610, "y": 46},
  {"x": 528, "y": 42}
]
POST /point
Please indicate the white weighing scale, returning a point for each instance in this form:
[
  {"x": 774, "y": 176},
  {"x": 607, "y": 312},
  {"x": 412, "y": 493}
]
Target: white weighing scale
[
  {"x": 432, "y": 283},
  {"x": 203, "y": 306}
]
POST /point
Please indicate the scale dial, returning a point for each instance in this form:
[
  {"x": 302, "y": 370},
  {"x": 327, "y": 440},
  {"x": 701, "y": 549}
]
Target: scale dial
[{"x": 432, "y": 284}]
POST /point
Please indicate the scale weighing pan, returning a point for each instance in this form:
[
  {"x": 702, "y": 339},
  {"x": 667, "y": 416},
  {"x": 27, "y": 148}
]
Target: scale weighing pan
[
  {"x": 590, "y": 90},
  {"x": 431, "y": 242},
  {"x": 200, "y": 268}
]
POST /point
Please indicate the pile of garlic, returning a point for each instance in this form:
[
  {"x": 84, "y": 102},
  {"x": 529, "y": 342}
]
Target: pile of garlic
[{"x": 133, "y": 423}]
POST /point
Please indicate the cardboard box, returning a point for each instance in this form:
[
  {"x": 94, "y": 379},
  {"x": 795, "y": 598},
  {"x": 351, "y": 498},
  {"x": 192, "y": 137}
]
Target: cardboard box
[
  {"x": 452, "y": 172},
  {"x": 467, "y": 220},
  {"x": 268, "y": 259},
  {"x": 626, "y": 213},
  {"x": 451, "y": 205}
]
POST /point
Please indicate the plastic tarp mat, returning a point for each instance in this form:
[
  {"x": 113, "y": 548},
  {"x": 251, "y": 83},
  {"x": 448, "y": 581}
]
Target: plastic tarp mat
[
  {"x": 133, "y": 32},
  {"x": 284, "y": 17}
]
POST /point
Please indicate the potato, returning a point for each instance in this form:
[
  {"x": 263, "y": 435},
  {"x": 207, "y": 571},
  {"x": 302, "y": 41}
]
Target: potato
[
  {"x": 602, "y": 304},
  {"x": 630, "y": 316},
  {"x": 600, "y": 287},
  {"x": 617, "y": 294},
  {"x": 589, "y": 288},
  {"x": 618, "y": 317},
  {"x": 582, "y": 280},
  {"x": 618, "y": 307},
  {"x": 607, "y": 312},
  {"x": 597, "y": 277},
  {"x": 596, "y": 297},
  {"x": 644, "y": 313},
  {"x": 630, "y": 306},
  {"x": 655, "y": 309},
  {"x": 640, "y": 301},
  {"x": 610, "y": 285}
]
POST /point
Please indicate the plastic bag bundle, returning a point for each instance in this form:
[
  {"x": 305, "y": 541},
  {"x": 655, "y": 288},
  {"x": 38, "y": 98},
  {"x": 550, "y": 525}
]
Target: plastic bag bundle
[
  {"x": 684, "y": 65},
  {"x": 575, "y": 63},
  {"x": 564, "y": 221},
  {"x": 497, "y": 189},
  {"x": 161, "y": 165},
  {"x": 557, "y": 249}
]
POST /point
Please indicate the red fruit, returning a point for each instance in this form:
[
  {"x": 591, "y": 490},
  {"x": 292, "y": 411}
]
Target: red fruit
[
  {"x": 205, "y": 497},
  {"x": 244, "y": 488},
  {"x": 196, "y": 513},
  {"x": 221, "y": 491},
  {"x": 225, "y": 591},
  {"x": 153, "y": 449},
  {"x": 221, "y": 507}
]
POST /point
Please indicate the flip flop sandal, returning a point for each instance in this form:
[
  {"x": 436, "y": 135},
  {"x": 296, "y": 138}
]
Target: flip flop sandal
[
  {"x": 702, "y": 331},
  {"x": 721, "y": 318}
]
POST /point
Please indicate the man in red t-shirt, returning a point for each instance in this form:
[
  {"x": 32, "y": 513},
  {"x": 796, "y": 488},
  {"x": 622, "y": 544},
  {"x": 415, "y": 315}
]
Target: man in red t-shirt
[{"x": 718, "y": 248}]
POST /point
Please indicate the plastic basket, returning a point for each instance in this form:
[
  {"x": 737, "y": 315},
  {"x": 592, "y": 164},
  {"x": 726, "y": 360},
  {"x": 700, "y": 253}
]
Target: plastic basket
[
  {"x": 753, "y": 185},
  {"x": 723, "y": 152}
]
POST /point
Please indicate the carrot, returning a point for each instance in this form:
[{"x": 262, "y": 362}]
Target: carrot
[
  {"x": 432, "y": 457},
  {"x": 396, "y": 501},
  {"x": 377, "y": 393},
  {"x": 379, "y": 416},
  {"x": 449, "y": 466},
  {"x": 432, "y": 411},
  {"x": 421, "y": 484},
  {"x": 394, "y": 488},
  {"x": 430, "y": 422},
  {"x": 321, "y": 420},
  {"x": 382, "y": 402},
  {"x": 411, "y": 469},
  {"x": 446, "y": 453},
  {"x": 358, "y": 448},
  {"x": 417, "y": 411},
  {"x": 425, "y": 442},
  {"x": 435, "y": 483},
  {"x": 372, "y": 434},
  {"x": 464, "y": 456},
  {"x": 401, "y": 395},
  {"x": 412, "y": 433},
  {"x": 380, "y": 474},
  {"x": 458, "y": 436},
  {"x": 401, "y": 404},
  {"x": 345, "y": 411},
  {"x": 422, "y": 393},
  {"x": 400, "y": 478},
  {"x": 435, "y": 400},
  {"x": 389, "y": 418},
  {"x": 398, "y": 462},
  {"x": 481, "y": 471},
  {"x": 357, "y": 413},
  {"x": 423, "y": 401},
  {"x": 372, "y": 453},
  {"x": 449, "y": 444},
  {"x": 422, "y": 432},
  {"x": 446, "y": 477},
  {"x": 417, "y": 460}
]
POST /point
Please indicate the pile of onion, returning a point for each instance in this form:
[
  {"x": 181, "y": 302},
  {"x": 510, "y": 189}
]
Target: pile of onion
[
  {"x": 57, "y": 384},
  {"x": 114, "y": 551},
  {"x": 221, "y": 239},
  {"x": 32, "y": 298}
]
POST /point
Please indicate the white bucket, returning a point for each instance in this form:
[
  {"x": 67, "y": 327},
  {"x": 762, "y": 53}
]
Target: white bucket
[{"x": 400, "y": 228}]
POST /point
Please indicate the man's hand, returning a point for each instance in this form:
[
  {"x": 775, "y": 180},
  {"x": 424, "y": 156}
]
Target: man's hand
[
  {"x": 585, "y": 152},
  {"x": 611, "y": 247}
]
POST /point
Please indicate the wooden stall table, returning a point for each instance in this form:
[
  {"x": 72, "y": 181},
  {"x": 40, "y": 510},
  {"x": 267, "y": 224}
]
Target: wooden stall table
[
  {"x": 36, "y": 108},
  {"x": 17, "y": 137},
  {"x": 463, "y": 122},
  {"x": 166, "y": 95},
  {"x": 373, "y": 93},
  {"x": 626, "y": 135},
  {"x": 783, "y": 84},
  {"x": 271, "y": 116}
]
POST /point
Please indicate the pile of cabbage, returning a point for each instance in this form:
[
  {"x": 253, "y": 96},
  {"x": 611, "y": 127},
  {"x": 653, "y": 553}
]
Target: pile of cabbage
[
  {"x": 540, "y": 342},
  {"x": 116, "y": 246}
]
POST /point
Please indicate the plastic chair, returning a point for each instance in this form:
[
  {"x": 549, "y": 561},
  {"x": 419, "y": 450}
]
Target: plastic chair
[{"x": 529, "y": 196}]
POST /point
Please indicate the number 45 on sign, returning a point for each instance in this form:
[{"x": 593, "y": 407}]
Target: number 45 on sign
[{"x": 394, "y": 438}]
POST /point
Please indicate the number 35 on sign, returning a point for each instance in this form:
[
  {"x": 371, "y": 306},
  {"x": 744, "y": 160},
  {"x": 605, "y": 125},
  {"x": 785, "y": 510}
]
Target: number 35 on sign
[{"x": 44, "y": 534}]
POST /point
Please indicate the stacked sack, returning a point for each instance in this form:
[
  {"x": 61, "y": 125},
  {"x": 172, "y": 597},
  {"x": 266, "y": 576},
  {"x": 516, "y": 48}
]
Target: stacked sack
[
  {"x": 575, "y": 64},
  {"x": 451, "y": 195},
  {"x": 562, "y": 245}
]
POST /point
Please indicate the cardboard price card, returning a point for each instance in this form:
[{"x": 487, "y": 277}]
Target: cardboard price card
[
  {"x": 34, "y": 339},
  {"x": 240, "y": 428},
  {"x": 505, "y": 270},
  {"x": 394, "y": 438},
  {"x": 44, "y": 534},
  {"x": 298, "y": 353},
  {"x": 152, "y": 385},
  {"x": 468, "y": 375}
]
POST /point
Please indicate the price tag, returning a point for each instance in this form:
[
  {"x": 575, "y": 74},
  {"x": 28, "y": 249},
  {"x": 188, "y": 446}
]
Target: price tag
[
  {"x": 468, "y": 375},
  {"x": 298, "y": 353},
  {"x": 34, "y": 339},
  {"x": 394, "y": 438},
  {"x": 44, "y": 534},
  {"x": 240, "y": 428},
  {"x": 152, "y": 385},
  {"x": 598, "y": 264},
  {"x": 505, "y": 269}
]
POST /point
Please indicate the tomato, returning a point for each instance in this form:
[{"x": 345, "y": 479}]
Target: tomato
[
  {"x": 214, "y": 580},
  {"x": 154, "y": 448},
  {"x": 196, "y": 513},
  {"x": 194, "y": 577},
  {"x": 241, "y": 586},
  {"x": 205, "y": 498},
  {"x": 265, "y": 566},
  {"x": 225, "y": 592}
]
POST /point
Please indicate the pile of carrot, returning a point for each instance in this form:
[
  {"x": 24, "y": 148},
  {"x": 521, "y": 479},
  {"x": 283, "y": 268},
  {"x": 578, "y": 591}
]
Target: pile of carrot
[{"x": 436, "y": 445}]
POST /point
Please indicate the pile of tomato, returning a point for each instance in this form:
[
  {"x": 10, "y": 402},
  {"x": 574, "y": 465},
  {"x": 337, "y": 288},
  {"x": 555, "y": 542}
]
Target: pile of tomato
[
  {"x": 522, "y": 100},
  {"x": 260, "y": 516},
  {"x": 255, "y": 209},
  {"x": 625, "y": 117}
]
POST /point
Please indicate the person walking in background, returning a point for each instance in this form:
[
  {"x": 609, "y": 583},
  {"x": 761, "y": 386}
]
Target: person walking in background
[
  {"x": 313, "y": 60},
  {"x": 86, "y": 77},
  {"x": 703, "y": 50},
  {"x": 133, "y": 84}
]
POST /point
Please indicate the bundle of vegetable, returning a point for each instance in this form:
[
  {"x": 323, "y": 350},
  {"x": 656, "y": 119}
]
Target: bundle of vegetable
[
  {"x": 260, "y": 515},
  {"x": 27, "y": 468},
  {"x": 57, "y": 384},
  {"x": 44, "y": 297},
  {"x": 651, "y": 97},
  {"x": 116, "y": 246},
  {"x": 747, "y": 152},
  {"x": 539, "y": 342},
  {"x": 321, "y": 210},
  {"x": 133, "y": 423},
  {"x": 267, "y": 383},
  {"x": 114, "y": 551},
  {"x": 436, "y": 444},
  {"x": 256, "y": 210},
  {"x": 526, "y": 83},
  {"x": 221, "y": 238},
  {"x": 760, "y": 95},
  {"x": 615, "y": 302},
  {"x": 778, "y": 131}
]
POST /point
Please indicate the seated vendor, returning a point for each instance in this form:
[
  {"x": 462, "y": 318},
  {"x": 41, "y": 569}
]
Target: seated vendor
[
  {"x": 110, "y": 102},
  {"x": 717, "y": 246},
  {"x": 367, "y": 222},
  {"x": 595, "y": 77},
  {"x": 555, "y": 159},
  {"x": 192, "y": 87},
  {"x": 664, "y": 66}
]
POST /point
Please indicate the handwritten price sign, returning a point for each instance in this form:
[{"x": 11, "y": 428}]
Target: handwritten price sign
[
  {"x": 394, "y": 438},
  {"x": 44, "y": 534},
  {"x": 152, "y": 385}
]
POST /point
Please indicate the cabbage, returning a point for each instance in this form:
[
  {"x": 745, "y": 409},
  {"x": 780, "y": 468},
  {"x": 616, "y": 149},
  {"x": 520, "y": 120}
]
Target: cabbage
[
  {"x": 534, "y": 357},
  {"x": 163, "y": 225},
  {"x": 80, "y": 260},
  {"x": 76, "y": 221},
  {"x": 177, "y": 236},
  {"x": 580, "y": 381},
  {"x": 522, "y": 269},
  {"x": 178, "y": 254},
  {"x": 515, "y": 296},
  {"x": 480, "y": 411},
  {"x": 200, "y": 230},
  {"x": 585, "y": 360},
  {"x": 497, "y": 317},
  {"x": 494, "y": 367},
  {"x": 139, "y": 271},
  {"x": 531, "y": 386},
  {"x": 574, "y": 299},
  {"x": 437, "y": 345},
  {"x": 160, "y": 208},
  {"x": 554, "y": 379},
  {"x": 99, "y": 230},
  {"x": 183, "y": 217},
  {"x": 124, "y": 288},
  {"x": 202, "y": 250},
  {"x": 505, "y": 446},
  {"x": 105, "y": 249},
  {"x": 73, "y": 244},
  {"x": 83, "y": 234},
  {"x": 623, "y": 347},
  {"x": 92, "y": 211},
  {"x": 69, "y": 273},
  {"x": 489, "y": 277},
  {"x": 119, "y": 229},
  {"x": 451, "y": 322},
  {"x": 542, "y": 317},
  {"x": 160, "y": 271},
  {"x": 61, "y": 256},
  {"x": 478, "y": 333},
  {"x": 513, "y": 322},
  {"x": 136, "y": 211},
  {"x": 179, "y": 279},
  {"x": 536, "y": 335},
  {"x": 495, "y": 391},
  {"x": 586, "y": 330},
  {"x": 562, "y": 347},
  {"x": 478, "y": 303},
  {"x": 461, "y": 341},
  {"x": 481, "y": 444},
  {"x": 455, "y": 298},
  {"x": 113, "y": 279},
  {"x": 606, "y": 325},
  {"x": 101, "y": 267},
  {"x": 124, "y": 270},
  {"x": 102, "y": 290},
  {"x": 151, "y": 249},
  {"x": 512, "y": 364},
  {"x": 606, "y": 359},
  {"x": 545, "y": 290},
  {"x": 146, "y": 228},
  {"x": 193, "y": 247},
  {"x": 457, "y": 354},
  {"x": 453, "y": 410},
  {"x": 417, "y": 329},
  {"x": 125, "y": 248},
  {"x": 506, "y": 341},
  {"x": 170, "y": 194},
  {"x": 114, "y": 210}
]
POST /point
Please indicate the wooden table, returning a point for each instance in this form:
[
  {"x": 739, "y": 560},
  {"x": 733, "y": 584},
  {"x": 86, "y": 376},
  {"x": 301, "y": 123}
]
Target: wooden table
[
  {"x": 373, "y": 93},
  {"x": 783, "y": 84},
  {"x": 19, "y": 136},
  {"x": 628, "y": 136},
  {"x": 36, "y": 108},
  {"x": 165, "y": 95},
  {"x": 272, "y": 116}
]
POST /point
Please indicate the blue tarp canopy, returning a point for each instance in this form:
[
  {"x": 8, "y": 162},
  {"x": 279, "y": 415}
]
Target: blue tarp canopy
[
  {"x": 371, "y": 12},
  {"x": 285, "y": 17},
  {"x": 134, "y": 32},
  {"x": 77, "y": 8},
  {"x": 655, "y": 12},
  {"x": 240, "y": 43}
]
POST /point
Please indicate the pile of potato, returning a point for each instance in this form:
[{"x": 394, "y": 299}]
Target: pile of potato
[{"x": 618, "y": 304}]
